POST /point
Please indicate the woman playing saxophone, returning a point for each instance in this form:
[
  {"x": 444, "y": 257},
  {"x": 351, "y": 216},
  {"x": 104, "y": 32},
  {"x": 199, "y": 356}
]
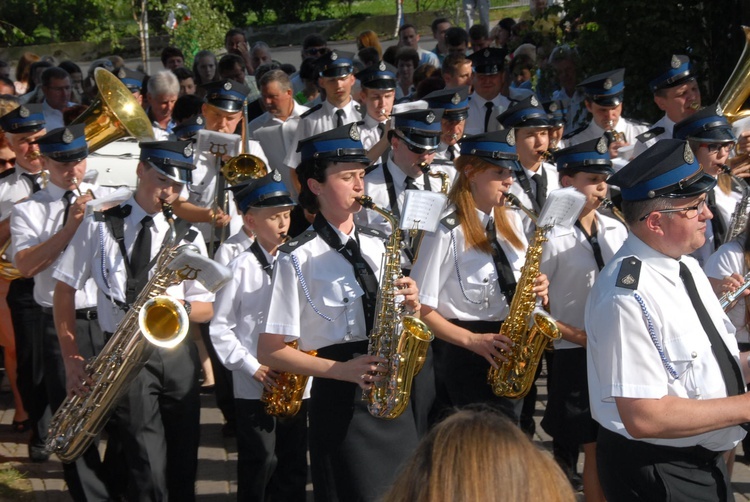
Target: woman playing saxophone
[
  {"x": 468, "y": 273},
  {"x": 324, "y": 292}
]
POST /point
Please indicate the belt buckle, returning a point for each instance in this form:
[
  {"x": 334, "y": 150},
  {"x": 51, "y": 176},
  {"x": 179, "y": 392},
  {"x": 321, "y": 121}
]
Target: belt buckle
[{"x": 90, "y": 314}]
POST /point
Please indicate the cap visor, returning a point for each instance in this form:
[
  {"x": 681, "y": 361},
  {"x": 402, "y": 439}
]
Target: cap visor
[
  {"x": 703, "y": 185},
  {"x": 279, "y": 201},
  {"x": 608, "y": 100}
]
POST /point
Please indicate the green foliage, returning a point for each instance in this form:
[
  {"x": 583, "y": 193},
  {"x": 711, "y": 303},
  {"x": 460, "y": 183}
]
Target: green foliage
[{"x": 204, "y": 30}]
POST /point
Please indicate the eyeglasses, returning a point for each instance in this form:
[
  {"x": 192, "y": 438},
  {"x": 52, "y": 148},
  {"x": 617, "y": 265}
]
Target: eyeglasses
[
  {"x": 690, "y": 212},
  {"x": 8, "y": 162},
  {"x": 316, "y": 51},
  {"x": 715, "y": 147}
]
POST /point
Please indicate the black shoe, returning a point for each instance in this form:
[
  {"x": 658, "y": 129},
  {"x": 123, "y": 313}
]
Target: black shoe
[{"x": 38, "y": 454}]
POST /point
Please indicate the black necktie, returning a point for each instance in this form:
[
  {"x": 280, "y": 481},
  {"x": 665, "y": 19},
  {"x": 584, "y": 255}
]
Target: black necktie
[
  {"x": 364, "y": 273},
  {"x": 717, "y": 222},
  {"x": 141, "y": 255},
  {"x": 31, "y": 178},
  {"x": 410, "y": 185},
  {"x": 451, "y": 153},
  {"x": 381, "y": 131},
  {"x": 505, "y": 276},
  {"x": 730, "y": 371},
  {"x": 594, "y": 242},
  {"x": 487, "y": 114},
  {"x": 541, "y": 188},
  {"x": 339, "y": 117},
  {"x": 67, "y": 199}
]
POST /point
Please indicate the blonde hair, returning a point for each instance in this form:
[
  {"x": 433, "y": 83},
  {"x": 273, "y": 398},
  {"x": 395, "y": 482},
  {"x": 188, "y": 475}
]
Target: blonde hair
[
  {"x": 369, "y": 39},
  {"x": 460, "y": 195},
  {"x": 479, "y": 454}
]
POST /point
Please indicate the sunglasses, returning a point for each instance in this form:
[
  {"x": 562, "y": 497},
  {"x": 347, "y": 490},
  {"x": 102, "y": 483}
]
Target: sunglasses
[
  {"x": 316, "y": 52},
  {"x": 8, "y": 162}
]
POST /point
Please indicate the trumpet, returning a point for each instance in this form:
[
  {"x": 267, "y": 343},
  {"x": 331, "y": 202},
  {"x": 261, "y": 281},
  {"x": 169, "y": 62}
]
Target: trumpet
[{"x": 74, "y": 180}]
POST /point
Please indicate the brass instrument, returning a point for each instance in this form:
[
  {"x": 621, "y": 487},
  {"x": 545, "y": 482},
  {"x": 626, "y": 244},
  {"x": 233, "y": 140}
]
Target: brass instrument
[
  {"x": 286, "y": 398},
  {"x": 114, "y": 114},
  {"x": 444, "y": 180},
  {"x": 529, "y": 329},
  {"x": 153, "y": 320},
  {"x": 730, "y": 296},
  {"x": 736, "y": 90},
  {"x": 608, "y": 204},
  {"x": 516, "y": 202},
  {"x": 90, "y": 192},
  {"x": 739, "y": 216},
  {"x": 614, "y": 136},
  {"x": 400, "y": 339},
  {"x": 8, "y": 271}
]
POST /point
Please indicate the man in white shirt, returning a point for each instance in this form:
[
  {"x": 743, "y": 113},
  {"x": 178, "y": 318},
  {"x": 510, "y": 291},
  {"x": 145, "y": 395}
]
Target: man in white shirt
[
  {"x": 486, "y": 102},
  {"x": 57, "y": 90},
  {"x": 409, "y": 37}
]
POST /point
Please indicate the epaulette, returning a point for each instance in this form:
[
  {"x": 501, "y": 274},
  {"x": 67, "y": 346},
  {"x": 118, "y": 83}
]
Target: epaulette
[
  {"x": 630, "y": 273},
  {"x": 359, "y": 110},
  {"x": 312, "y": 110},
  {"x": 374, "y": 232},
  {"x": 297, "y": 242},
  {"x": 575, "y": 131},
  {"x": 650, "y": 134},
  {"x": 371, "y": 168},
  {"x": 114, "y": 211},
  {"x": 7, "y": 173},
  {"x": 451, "y": 221}
]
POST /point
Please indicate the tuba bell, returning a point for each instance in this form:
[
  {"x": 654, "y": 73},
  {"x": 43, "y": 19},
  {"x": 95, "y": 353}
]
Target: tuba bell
[
  {"x": 114, "y": 114},
  {"x": 737, "y": 89}
]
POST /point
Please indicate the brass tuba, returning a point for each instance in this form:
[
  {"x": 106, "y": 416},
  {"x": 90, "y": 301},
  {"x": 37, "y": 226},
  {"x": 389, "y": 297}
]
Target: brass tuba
[
  {"x": 161, "y": 320},
  {"x": 402, "y": 340},
  {"x": 736, "y": 90},
  {"x": 529, "y": 329}
]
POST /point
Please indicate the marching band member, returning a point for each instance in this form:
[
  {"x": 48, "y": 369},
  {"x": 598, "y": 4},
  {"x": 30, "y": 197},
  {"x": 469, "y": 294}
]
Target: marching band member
[
  {"x": 377, "y": 95},
  {"x": 42, "y": 227},
  {"x": 468, "y": 270},
  {"x": 331, "y": 288},
  {"x": 158, "y": 419},
  {"x": 572, "y": 258},
  {"x": 711, "y": 139},
  {"x": 23, "y": 126},
  {"x": 272, "y": 460},
  {"x": 677, "y": 94},
  {"x": 455, "y": 106},
  {"x": 486, "y": 102},
  {"x": 536, "y": 178}
]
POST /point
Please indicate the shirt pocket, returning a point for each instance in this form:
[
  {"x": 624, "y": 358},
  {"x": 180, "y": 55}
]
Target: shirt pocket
[
  {"x": 480, "y": 282},
  {"x": 688, "y": 356},
  {"x": 338, "y": 296}
]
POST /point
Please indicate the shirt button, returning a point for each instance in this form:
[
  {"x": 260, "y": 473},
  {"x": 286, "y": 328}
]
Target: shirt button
[
  {"x": 346, "y": 300},
  {"x": 486, "y": 280},
  {"x": 694, "y": 355}
]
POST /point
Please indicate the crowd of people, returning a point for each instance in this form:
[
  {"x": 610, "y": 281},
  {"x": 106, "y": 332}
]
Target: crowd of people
[{"x": 297, "y": 181}]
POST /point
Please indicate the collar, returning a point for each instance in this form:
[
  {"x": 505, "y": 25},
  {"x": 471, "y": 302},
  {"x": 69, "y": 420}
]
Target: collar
[
  {"x": 529, "y": 173},
  {"x": 661, "y": 263},
  {"x": 484, "y": 218},
  {"x": 342, "y": 236},
  {"x": 331, "y": 110},
  {"x": 370, "y": 123},
  {"x": 399, "y": 176}
]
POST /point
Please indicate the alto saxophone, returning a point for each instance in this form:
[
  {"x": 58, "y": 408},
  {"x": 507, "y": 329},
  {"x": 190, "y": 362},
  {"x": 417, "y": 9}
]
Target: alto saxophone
[
  {"x": 529, "y": 329},
  {"x": 153, "y": 319},
  {"x": 400, "y": 339},
  {"x": 285, "y": 399},
  {"x": 739, "y": 217}
]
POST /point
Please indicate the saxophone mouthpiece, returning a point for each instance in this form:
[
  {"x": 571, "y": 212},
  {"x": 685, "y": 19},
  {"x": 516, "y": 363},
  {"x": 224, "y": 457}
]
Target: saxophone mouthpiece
[
  {"x": 424, "y": 167},
  {"x": 606, "y": 202},
  {"x": 166, "y": 209},
  {"x": 725, "y": 169},
  {"x": 364, "y": 200}
]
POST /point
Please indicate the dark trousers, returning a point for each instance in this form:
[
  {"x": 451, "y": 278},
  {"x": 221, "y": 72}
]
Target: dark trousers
[
  {"x": 27, "y": 325},
  {"x": 87, "y": 476},
  {"x": 632, "y": 471},
  {"x": 271, "y": 454},
  {"x": 159, "y": 425},
  {"x": 423, "y": 394},
  {"x": 223, "y": 386}
]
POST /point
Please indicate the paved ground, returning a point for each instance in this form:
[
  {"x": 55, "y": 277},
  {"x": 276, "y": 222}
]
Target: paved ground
[{"x": 217, "y": 465}]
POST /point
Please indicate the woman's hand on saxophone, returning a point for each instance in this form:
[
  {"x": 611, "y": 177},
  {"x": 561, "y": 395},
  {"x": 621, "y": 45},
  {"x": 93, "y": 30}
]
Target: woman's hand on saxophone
[
  {"x": 363, "y": 370},
  {"x": 77, "y": 381},
  {"x": 491, "y": 346},
  {"x": 267, "y": 377},
  {"x": 407, "y": 288},
  {"x": 541, "y": 288}
]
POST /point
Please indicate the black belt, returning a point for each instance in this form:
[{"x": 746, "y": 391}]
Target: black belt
[
  {"x": 86, "y": 314},
  {"x": 656, "y": 453}
]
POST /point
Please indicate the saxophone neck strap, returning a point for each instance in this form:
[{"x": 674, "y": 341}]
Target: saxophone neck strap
[{"x": 261, "y": 257}]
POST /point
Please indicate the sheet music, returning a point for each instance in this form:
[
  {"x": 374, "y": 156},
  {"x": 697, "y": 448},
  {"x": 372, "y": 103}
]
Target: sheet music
[
  {"x": 562, "y": 207},
  {"x": 422, "y": 210}
]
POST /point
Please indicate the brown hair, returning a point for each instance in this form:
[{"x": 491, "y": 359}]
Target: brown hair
[
  {"x": 460, "y": 195},
  {"x": 369, "y": 39},
  {"x": 479, "y": 454},
  {"x": 23, "y": 68}
]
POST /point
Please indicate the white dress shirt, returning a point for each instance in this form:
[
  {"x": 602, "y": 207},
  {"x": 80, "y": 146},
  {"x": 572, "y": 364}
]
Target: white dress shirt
[{"x": 478, "y": 111}]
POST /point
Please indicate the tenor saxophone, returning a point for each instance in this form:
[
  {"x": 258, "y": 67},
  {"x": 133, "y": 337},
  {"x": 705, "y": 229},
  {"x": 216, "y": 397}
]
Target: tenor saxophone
[
  {"x": 285, "y": 399},
  {"x": 739, "y": 217},
  {"x": 154, "y": 319},
  {"x": 528, "y": 328},
  {"x": 400, "y": 339}
]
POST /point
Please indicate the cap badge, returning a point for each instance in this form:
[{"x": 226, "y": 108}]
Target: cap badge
[
  {"x": 276, "y": 176},
  {"x": 381, "y": 66},
  {"x": 354, "y": 132},
  {"x": 553, "y": 107},
  {"x": 188, "y": 151},
  {"x": 293, "y": 244},
  {"x": 607, "y": 84},
  {"x": 689, "y": 157},
  {"x": 199, "y": 120},
  {"x": 511, "y": 137},
  {"x": 227, "y": 85},
  {"x": 533, "y": 101},
  {"x": 334, "y": 56},
  {"x": 67, "y": 136},
  {"x": 719, "y": 111},
  {"x": 122, "y": 73},
  {"x": 675, "y": 62},
  {"x": 430, "y": 118},
  {"x": 456, "y": 99},
  {"x": 601, "y": 145},
  {"x": 23, "y": 112}
]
